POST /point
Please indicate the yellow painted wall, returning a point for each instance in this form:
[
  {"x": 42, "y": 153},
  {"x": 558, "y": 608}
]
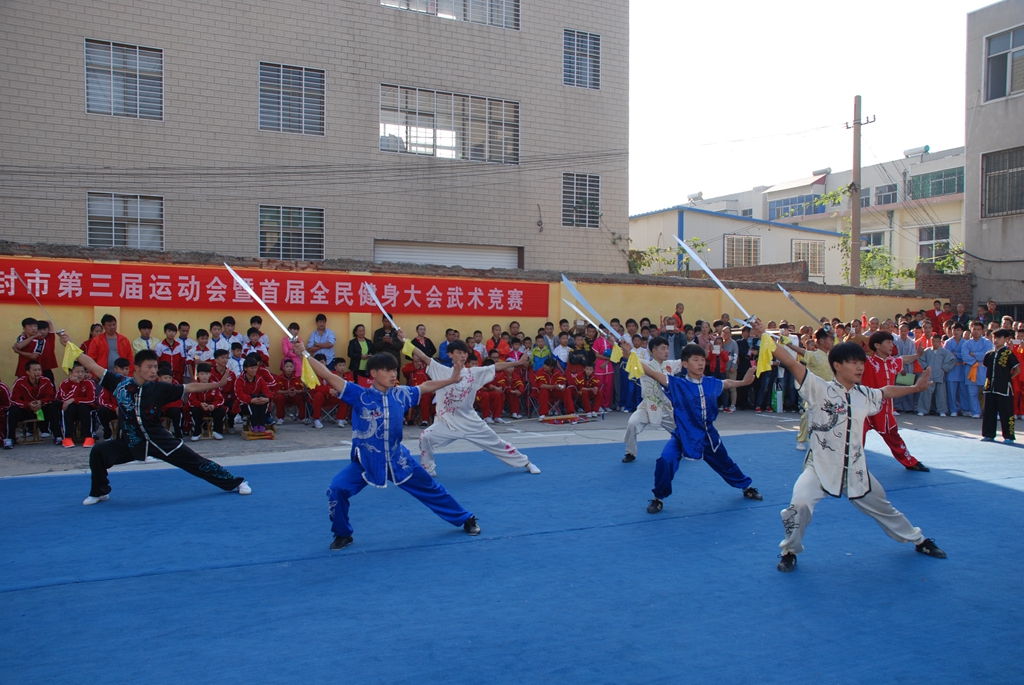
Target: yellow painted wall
[{"x": 612, "y": 300}]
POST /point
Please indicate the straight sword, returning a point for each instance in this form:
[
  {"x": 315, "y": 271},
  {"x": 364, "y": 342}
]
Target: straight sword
[
  {"x": 253, "y": 295},
  {"x": 29, "y": 291},
  {"x": 797, "y": 303},
  {"x": 576, "y": 309},
  {"x": 373, "y": 294},
  {"x": 704, "y": 267},
  {"x": 571, "y": 287}
]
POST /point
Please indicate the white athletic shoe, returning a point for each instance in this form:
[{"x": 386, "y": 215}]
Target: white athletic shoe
[
  {"x": 218, "y": 436},
  {"x": 895, "y": 413},
  {"x": 151, "y": 460},
  {"x": 942, "y": 415},
  {"x": 498, "y": 419},
  {"x": 194, "y": 438},
  {"x": 953, "y": 413},
  {"x": 44, "y": 434},
  {"x": 920, "y": 413},
  {"x": 532, "y": 468},
  {"x": 317, "y": 423},
  {"x": 516, "y": 416},
  {"x": 802, "y": 446},
  {"x": 243, "y": 488},
  {"x": 90, "y": 500},
  {"x": 238, "y": 420},
  {"x": 341, "y": 423},
  {"x": 8, "y": 443},
  {"x": 488, "y": 420}
]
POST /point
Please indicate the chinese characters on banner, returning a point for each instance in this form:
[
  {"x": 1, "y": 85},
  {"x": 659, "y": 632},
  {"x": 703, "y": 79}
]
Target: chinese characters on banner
[{"x": 189, "y": 287}]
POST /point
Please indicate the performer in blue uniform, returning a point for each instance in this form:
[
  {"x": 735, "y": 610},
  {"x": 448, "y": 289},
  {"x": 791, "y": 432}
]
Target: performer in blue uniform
[
  {"x": 694, "y": 399},
  {"x": 377, "y": 451}
]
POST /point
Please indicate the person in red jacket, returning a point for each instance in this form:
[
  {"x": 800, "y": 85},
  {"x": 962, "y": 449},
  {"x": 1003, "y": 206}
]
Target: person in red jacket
[
  {"x": 513, "y": 386},
  {"x": 219, "y": 370},
  {"x": 588, "y": 386},
  {"x": 48, "y": 357},
  {"x": 106, "y": 405},
  {"x": 290, "y": 391},
  {"x": 322, "y": 396},
  {"x": 253, "y": 395},
  {"x": 5, "y": 406},
  {"x": 171, "y": 351},
  {"x": 339, "y": 370},
  {"x": 880, "y": 371},
  {"x": 491, "y": 397},
  {"x": 550, "y": 381},
  {"x": 415, "y": 373},
  {"x": 31, "y": 394},
  {"x": 210, "y": 402},
  {"x": 28, "y": 346},
  {"x": 110, "y": 345},
  {"x": 77, "y": 398}
]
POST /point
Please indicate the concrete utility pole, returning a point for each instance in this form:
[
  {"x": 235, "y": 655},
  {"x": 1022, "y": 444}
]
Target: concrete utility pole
[{"x": 855, "y": 195}]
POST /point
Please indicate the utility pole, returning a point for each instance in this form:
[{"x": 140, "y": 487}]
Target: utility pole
[{"x": 855, "y": 195}]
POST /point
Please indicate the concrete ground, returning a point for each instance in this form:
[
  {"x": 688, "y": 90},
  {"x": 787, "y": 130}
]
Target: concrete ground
[{"x": 298, "y": 442}]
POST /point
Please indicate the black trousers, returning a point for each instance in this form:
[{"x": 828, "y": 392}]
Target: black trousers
[
  {"x": 51, "y": 414},
  {"x": 174, "y": 414},
  {"x": 106, "y": 416},
  {"x": 197, "y": 420},
  {"x": 257, "y": 413},
  {"x": 112, "y": 452},
  {"x": 1001, "y": 405},
  {"x": 80, "y": 414}
]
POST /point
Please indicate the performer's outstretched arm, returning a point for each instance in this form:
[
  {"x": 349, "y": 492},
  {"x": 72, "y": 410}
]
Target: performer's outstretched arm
[
  {"x": 434, "y": 386},
  {"x": 923, "y": 381},
  {"x": 792, "y": 365},
  {"x": 746, "y": 380}
]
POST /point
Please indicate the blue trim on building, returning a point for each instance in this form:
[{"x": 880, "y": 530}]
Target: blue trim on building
[
  {"x": 733, "y": 217},
  {"x": 682, "y": 236}
]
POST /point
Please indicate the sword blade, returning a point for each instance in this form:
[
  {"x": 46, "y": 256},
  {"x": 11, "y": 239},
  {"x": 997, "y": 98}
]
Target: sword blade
[
  {"x": 797, "y": 303},
  {"x": 711, "y": 274},
  {"x": 576, "y": 309},
  {"x": 370, "y": 289},
  {"x": 38, "y": 303},
  {"x": 253, "y": 295},
  {"x": 571, "y": 287}
]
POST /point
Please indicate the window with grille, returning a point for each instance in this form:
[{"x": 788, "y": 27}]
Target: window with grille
[
  {"x": 124, "y": 80},
  {"x": 1004, "y": 64},
  {"x": 291, "y": 99},
  {"x": 945, "y": 182},
  {"x": 747, "y": 212},
  {"x": 932, "y": 242},
  {"x": 865, "y": 197},
  {"x": 449, "y": 125},
  {"x": 501, "y": 13},
  {"x": 886, "y": 195},
  {"x": 581, "y": 200},
  {"x": 291, "y": 233},
  {"x": 135, "y": 221},
  {"x": 795, "y": 206},
  {"x": 812, "y": 252},
  {"x": 742, "y": 250},
  {"x": 1003, "y": 183},
  {"x": 869, "y": 241},
  {"x": 581, "y": 59}
]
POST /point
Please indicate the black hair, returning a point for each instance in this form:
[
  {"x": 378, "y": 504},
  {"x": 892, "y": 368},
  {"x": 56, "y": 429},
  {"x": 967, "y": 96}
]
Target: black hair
[
  {"x": 321, "y": 317},
  {"x": 145, "y": 356},
  {"x": 202, "y": 333},
  {"x": 43, "y": 325},
  {"x": 30, "y": 363},
  {"x": 320, "y": 357},
  {"x": 1002, "y": 333},
  {"x": 29, "y": 321},
  {"x": 295, "y": 326},
  {"x": 632, "y": 321},
  {"x": 145, "y": 323},
  {"x": 203, "y": 367},
  {"x": 846, "y": 352},
  {"x": 236, "y": 346},
  {"x": 122, "y": 363},
  {"x": 164, "y": 370},
  {"x": 382, "y": 360},
  {"x": 822, "y": 333},
  {"x": 228, "y": 320},
  {"x": 253, "y": 357},
  {"x": 359, "y": 325},
  {"x": 877, "y": 339},
  {"x": 550, "y": 361},
  {"x": 184, "y": 323},
  {"x": 691, "y": 350},
  {"x": 221, "y": 353},
  {"x": 454, "y": 346},
  {"x": 250, "y": 363},
  {"x": 256, "y": 319},
  {"x": 588, "y": 365},
  {"x": 561, "y": 333},
  {"x": 216, "y": 324},
  {"x": 77, "y": 365},
  {"x": 688, "y": 327},
  {"x": 252, "y": 330},
  {"x": 288, "y": 361},
  {"x": 561, "y": 321},
  {"x": 170, "y": 327},
  {"x": 657, "y": 341},
  {"x": 107, "y": 318}
]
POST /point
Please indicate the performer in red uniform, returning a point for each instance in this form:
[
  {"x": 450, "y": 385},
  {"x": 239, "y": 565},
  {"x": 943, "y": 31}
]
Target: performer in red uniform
[
  {"x": 77, "y": 397},
  {"x": 880, "y": 371},
  {"x": 588, "y": 386},
  {"x": 415, "y": 373},
  {"x": 290, "y": 391},
  {"x": 550, "y": 381}
]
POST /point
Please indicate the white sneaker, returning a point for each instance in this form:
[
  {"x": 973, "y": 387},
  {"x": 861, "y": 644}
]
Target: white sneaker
[
  {"x": 625, "y": 411},
  {"x": 317, "y": 423},
  {"x": 44, "y": 434},
  {"x": 488, "y": 420},
  {"x": 952, "y": 413},
  {"x": 532, "y": 468},
  {"x": 238, "y": 420},
  {"x": 593, "y": 414},
  {"x": 243, "y": 488},
  {"x": 341, "y": 423},
  {"x": 90, "y": 500},
  {"x": 920, "y": 413},
  {"x": 194, "y": 438},
  {"x": 942, "y": 415},
  {"x": 976, "y": 416},
  {"x": 151, "y": 460},
  {"x": 516, "y": 416},
  {"x": 732, "y": 408},
  {"x": 498, "y": 419},
  {"x": 218, "y": 436},
  {"x": 802, "y": 446},
  {"x": 8, "y": 443}
]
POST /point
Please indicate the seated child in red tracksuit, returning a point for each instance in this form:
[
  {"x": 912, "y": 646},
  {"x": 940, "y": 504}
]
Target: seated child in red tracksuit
[
  {"x": 589, "y": 388},
  {"x": 172, "y": 410},
  {"x": 77, "y": 396},
  {"x": 290, "y": 391},
  {"x": 550, "y": 382},
  {"x": 209, "y": 403}
]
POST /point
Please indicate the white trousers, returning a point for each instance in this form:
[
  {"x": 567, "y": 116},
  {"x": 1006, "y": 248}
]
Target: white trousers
[
  {"x": 439, "y": 435},
  {"x": 639, "y": 420},
  {"x": 807, "y": 492}
]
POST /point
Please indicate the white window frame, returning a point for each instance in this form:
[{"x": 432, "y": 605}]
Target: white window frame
[
  {"x": 812, "y": 252},
  {"x": 933, "y": 242},
  {"x": 311, "y": 238},
  {"x": 308, "y": 107},
  {"x": 433, "y": 123},
  {"x": 881, "y": 243},
  {"x": 889, "y": 192},
  {"x": 576, "y": 60},
  {"x": 579, "y": 209},
  {"x": 503, "y": 14},
  {"x": 147, "y": 84},
  {"x": 865, "y": 197},
  {"x": 125, "y": 224},
  {"x": 1014, "y": 50},
  {"x": 749, "y": 247}
]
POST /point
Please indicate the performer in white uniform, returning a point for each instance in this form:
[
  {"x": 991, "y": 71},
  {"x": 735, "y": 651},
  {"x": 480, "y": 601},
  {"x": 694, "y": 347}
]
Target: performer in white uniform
[
  {"x": 655, "y": 407},
  {"x": 456, "y": 419},
  {"x": 836, "y": 460}
]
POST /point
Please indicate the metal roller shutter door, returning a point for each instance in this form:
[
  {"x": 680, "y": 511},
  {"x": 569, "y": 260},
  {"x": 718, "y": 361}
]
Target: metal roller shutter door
[{"x": 447, "y": 254}]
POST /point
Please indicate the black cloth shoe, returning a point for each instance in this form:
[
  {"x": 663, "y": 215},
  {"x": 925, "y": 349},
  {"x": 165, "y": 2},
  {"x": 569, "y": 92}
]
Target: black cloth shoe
[
  {"x": 655, "y": 506},
  {"x": 918, "y": 467},
  {"x": 928, "y": 547},
  {"x": 787, "y": 562},
  {"x": 471, "y": 526},
  {"x": 341, "y": 542},
  {"x": 752, "y": 493},
  {"x": 628, "y": 458}
]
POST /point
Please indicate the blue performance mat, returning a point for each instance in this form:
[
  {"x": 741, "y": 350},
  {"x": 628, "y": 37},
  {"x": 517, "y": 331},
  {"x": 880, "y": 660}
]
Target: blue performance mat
[{"x": 572, "y": 581}]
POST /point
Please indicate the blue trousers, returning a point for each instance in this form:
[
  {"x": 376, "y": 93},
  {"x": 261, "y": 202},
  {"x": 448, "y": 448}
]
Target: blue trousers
[
  {"x": 422, "y": 486},
  {"x": 718, "y": 459},
  {"x": 973, "y": 399},
  {"x": 629, "y": 391},
  {"x": 956, "y": 392}
]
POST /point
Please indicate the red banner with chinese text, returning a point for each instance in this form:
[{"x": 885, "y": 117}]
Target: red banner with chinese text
[{"x": 169, "y": 286}]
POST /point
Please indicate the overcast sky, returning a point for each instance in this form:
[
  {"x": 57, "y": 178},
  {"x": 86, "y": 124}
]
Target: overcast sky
[{"x": 780, "y": 77}]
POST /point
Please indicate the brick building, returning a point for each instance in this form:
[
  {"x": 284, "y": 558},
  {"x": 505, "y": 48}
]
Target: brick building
[{"x": 456, "y": 132}]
